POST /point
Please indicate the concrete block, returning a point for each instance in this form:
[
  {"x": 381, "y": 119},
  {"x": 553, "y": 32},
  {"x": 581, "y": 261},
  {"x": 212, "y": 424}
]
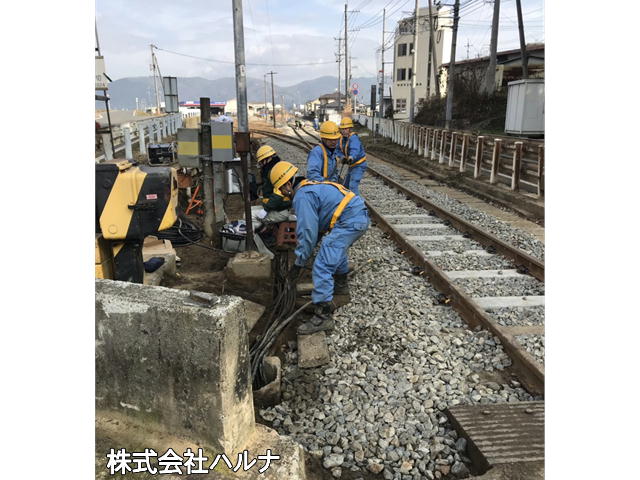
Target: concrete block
[
  {"x": 175, "y": 357},
  {"x": 269, "y": 395},
  {"x": 152, "y": 247},
  {"x": 131, "y": 433},
  {"x": 291, "y": 465},
  {"x": 312, "y": 350},
  {"x": 250, "y": 265},
  {"x": 253, "y": 313}
]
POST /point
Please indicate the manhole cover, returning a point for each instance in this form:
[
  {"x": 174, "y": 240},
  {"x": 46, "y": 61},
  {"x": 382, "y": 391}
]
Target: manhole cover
[{"x": 501, "y": 433}]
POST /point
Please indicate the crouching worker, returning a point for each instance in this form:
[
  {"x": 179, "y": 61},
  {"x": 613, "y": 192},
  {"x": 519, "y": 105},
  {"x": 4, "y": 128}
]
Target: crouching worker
[
  {"x": 322, "y": 207},
  {"x": 353, "y": 155},
  {"x": 275, "y": 208}
]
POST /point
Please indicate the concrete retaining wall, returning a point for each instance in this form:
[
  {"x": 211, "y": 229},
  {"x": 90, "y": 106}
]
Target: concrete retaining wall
[{"x": 164, "y": 356}]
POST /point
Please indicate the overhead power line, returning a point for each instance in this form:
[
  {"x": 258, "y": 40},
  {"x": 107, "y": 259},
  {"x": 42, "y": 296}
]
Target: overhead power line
[{"x": 231, "y": 62}]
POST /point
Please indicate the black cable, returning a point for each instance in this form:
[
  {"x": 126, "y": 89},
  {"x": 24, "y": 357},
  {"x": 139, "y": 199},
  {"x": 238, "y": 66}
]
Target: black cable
[{"x": 184, "y": 233}]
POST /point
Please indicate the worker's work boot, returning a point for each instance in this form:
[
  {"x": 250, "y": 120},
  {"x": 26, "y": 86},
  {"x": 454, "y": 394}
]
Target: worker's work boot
[
  {"x": 321, "y": 320},
  {"x": 340, "y": 284}
]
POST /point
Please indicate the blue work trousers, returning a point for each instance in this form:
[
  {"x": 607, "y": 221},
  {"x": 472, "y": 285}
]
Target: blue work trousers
[
  {"x": 352, "y": 180},
  {"x": 332, "y": 257}
]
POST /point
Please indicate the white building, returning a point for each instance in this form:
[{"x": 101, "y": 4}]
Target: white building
[{"x": 403, "y": 57}]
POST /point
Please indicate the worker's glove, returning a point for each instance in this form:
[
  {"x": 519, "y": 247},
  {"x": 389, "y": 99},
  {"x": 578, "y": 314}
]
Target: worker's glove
[
  {"x": 344, "y": 160},
  {"x": 350, "y": 160},
  {"x": 294, "y": 273}
]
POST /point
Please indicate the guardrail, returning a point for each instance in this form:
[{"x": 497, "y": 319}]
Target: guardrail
[
  {"x": 151, "y": 129},
  {"x": 515, "y": 162}
]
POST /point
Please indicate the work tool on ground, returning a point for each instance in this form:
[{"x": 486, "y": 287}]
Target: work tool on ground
[{"x": 132, "y": 202}]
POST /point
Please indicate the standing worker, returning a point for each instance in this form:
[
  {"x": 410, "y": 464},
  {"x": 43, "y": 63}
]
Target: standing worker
[
  {"x": 275, "y": 208},
  {"x": 322, "y": 162},
  {"x": 322, "y": 207},
  {"x": 353, "y": 155}
]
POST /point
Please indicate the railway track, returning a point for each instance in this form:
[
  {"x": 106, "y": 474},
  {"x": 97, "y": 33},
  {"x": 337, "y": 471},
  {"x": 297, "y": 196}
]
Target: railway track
[{"x": 438, "y": 242}]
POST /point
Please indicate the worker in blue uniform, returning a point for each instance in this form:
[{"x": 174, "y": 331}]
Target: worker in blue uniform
[
  {"x": 322, "y": 207},
  {"x": 323, "y": 159},
  {"x": 353, "y": 155}
]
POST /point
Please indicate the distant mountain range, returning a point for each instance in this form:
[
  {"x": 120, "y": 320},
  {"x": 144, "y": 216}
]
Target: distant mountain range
[{"x": 123, "y": 92}]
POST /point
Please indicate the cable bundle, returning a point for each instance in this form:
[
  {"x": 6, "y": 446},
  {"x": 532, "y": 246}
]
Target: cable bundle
[
  {"x": 182, "y": 233},
  {"x": 279, "y": 318}
]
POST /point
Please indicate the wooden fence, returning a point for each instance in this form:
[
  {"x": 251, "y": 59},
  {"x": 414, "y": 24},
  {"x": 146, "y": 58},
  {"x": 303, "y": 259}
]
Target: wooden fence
[{"x": 514, "y": 162}]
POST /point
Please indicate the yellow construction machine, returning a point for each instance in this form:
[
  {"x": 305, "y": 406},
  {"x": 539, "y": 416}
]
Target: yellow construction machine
[{"x": 132, "y": 202}]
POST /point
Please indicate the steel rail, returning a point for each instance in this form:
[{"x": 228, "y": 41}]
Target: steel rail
[
  {"x": 528, "y": 369},
  {"x": 284, "y": 138},
  {"x": 310, "y": 134},
  {"x": 534, "y": 266},
  {"x": 300, "y": 137}
]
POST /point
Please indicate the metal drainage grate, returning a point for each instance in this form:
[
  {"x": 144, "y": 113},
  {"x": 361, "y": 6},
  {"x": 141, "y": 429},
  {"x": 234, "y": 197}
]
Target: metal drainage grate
[{"x": 502, "y": 433}]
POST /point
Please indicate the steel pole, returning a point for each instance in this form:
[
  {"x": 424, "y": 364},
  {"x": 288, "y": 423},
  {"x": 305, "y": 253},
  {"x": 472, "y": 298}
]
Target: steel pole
[
  {"x": 243, "y": 116},
  {"x": 523, "y": 45},
  {"x": 346, "y": 60},
  {"x": 207, "y": 166},
  {"x": 414, "y": 66},
  {"x": 490, "y": 78},
  {"x": 452, "y": 63}
]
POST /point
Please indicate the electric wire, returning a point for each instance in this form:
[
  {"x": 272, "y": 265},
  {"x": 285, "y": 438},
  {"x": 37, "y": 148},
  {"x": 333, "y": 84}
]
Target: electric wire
[{"x": 230, "y": 62}]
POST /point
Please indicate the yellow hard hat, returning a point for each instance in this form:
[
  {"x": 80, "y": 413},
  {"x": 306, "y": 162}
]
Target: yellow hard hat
[
  {"x": 264, "y": 152},
  {"x": 329, "y": 130},
  {"x": 281, "y": 173},
  {"x": 346, "y": 122}
]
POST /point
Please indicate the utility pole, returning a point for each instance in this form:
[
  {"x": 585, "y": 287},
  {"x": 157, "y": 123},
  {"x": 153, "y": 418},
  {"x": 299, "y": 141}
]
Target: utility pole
[
  {"x": 414, "y": 67},
  {"x": 339, "y": 73},
  {"x": 381, "y": 113},
  {"x": 523, "y": 45},
  {"x": 429, "y": 58},
  {"x": 490, "y": 78},
  {"x": 155, "y": 83},
  {"x": 352, "y": 98},
  {"x": 243, "y": 143},
  {"x": 207, "y": 169},
  {"x": 434, "y": 58},
  {"x": 273, "y": 98},
  {"x": 468, "y": 48},
  {"x": 452, "y": 62},
  {"x": 284, "y": 113},
  {"x": 264, "y": 77},
  {"x": 106, "y": 106},
  {"x": 346, "y": 57}
]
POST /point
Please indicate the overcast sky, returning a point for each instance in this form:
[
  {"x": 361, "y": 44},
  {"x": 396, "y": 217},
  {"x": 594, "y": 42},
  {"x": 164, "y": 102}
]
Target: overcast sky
[{"x": 281, "y": 32}]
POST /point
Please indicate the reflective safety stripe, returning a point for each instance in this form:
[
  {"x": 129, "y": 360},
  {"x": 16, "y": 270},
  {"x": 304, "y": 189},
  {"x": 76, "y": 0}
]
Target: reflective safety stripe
[
  {"x": 346, "y": 151},
  {"x": 363, "y": 159},
  {"x": 348, "y": 196},
  {"x": 325, "y": 168}
]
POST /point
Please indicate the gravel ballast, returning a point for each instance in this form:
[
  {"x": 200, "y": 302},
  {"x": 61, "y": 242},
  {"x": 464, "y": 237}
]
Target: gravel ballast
[
  {"x": 534, "y": 344},
  {"x": 501, "y": 287},
  {"x": 397, "y": 361},
  {"x": 518, "y": 316}
]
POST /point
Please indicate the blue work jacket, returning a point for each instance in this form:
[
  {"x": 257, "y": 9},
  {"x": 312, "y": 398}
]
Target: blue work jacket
[
  {"x": 314, "y": 207},
  {"x": 322, "y": 163}
]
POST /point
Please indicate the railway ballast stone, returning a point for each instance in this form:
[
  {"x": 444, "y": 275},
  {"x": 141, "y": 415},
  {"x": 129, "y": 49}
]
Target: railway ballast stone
[{"x": 398, "y": 360}]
